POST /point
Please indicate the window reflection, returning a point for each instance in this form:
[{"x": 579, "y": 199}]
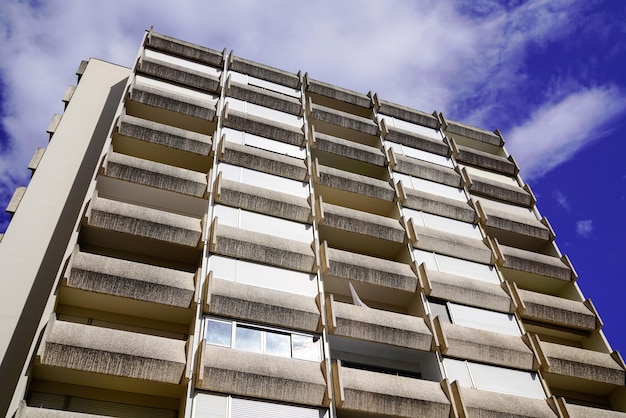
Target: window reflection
[
  {"x": 218, "y": 332},
  {"x": 248, "y": 339}
]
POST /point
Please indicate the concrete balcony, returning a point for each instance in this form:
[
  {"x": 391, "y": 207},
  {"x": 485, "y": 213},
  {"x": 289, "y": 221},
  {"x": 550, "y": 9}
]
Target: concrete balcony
[
  {"x": 177, "y": 74},
  {"x": 365, "y": 392},
  {"x": 269, "y": 202},
  {"x": 86, "y": 348},
  {"x": 435, "y": 204},
  {"x": 378, "y": 326},
  {"x": 139, "y": 221},
  {"x": 170, "y": 101},
  {"x": 424, "y": 169},
  {"x": 353, "y": 183},
  {"x": 480, "y": 403},
  {"x": 153, "y": 174},
  {"x": 337, "y": 93},
  {"x": 262, "y": 248},
  {"x": 263, "y": 127},
  {"x": 343, "y": 124},
  {"x": 38, "y": 412},
  {"x": 485, "y": 160},
  {"x": 128, "y": 279},
  {"x": 369, "y": 270},
  {"x": 481, "y": 186},
  {"x": 556, "y": 310},
  {"x": 360, "y": 223},
  {"x": 265, "y": 306},
  {"x": 525, "y": 265},
  {"x": 580, "y": 370},
  {"x": 460, "y": 131},
  {"x": 406, "y": 113},
  {"x": 184, "y": 49},
  {"x": 262, "y": 160},
  {"x": 484, "y": 346},
  {"x": 465, "y": 291},
  {"x": 430, "y": 239},
  {"x": 264, "y": 97},
  {"x": 349, "y": 149},
  {"x": 414, "y": 140},
  {"x": 264, "y": 72},
  {"x": 513, "y": 226},
  {"x": 261, "y": 376},
  {"x": 580, "y": 411}
]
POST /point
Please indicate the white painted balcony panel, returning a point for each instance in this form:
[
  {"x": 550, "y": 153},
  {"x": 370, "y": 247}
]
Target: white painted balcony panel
[
  {"x": 442, "y": 223},
  {"x": 150, "y": 82},
  {"x": 253, "y": 81},
  {"x": 244, "y": 138},
  {"x": 456, "y": 266},
  {"x": 419, "y": 154},
  {"x": 263, "y": 180},
  {"x": 430, "y": 187},
  {"x": 264, "y": 112},
  {"x": 262, "y": 275},
  {"x": 411, "y": 127},
  {"x": 473, "y": 171},
  {"x": 468, "y": 316},
  {"x": 195, "y": 66}
]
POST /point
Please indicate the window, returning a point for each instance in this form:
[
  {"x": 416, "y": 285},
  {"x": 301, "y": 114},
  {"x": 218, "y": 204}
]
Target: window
[
  {"x": 210, "y": 405},
  {"x": 430, "y": 187},
  {"x": 244, "y": 138},
  {"x": 471, "y": 317},
  {"x": 493, "y": 378},
  {"x": 456, "y": 266},
  {"x": 262, "y": 275},
  {"x": 443, "y": 224},
  {"x": 263, "y": 340},
  {"x": 419, "y": 154},
  {"x": 264, "y": 180}
]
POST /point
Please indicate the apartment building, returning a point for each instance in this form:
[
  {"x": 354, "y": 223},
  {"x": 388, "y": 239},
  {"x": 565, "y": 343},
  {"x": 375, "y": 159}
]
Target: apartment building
[{"x": 207, "y": 236}]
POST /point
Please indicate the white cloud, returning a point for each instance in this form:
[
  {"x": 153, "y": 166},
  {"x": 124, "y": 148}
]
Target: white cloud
[
  {"x": 556, "y": 131},
  {"x": 561, "y": 200},
  {"x": 584, "y": 228}
]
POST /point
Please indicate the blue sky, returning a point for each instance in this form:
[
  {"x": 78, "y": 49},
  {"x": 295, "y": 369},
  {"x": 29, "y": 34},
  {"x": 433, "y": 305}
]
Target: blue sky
[{"x": 549, "y": 74}]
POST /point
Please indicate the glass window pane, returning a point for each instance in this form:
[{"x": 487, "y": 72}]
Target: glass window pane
[
  {"x": 278, "y": 344},
  {"x": 218, "y": 332},
  {"x": 306, "y": 347},
  {"x": 248, "y": 339}
]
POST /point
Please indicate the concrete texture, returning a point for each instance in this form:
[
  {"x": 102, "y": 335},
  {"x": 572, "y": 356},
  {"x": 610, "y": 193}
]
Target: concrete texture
[
  {"x": 260, "y": 375},
  {"x": 407, "y": 114},
  {"x": 484, "y": 404},
  {"x": 264, "y": 97},
  {"x": 264, "y": 72},
  {"x": 437, "y": 205},
  {"x": 355, "y": 183},
  {"x": 258, "y": 304},
  {"x": 350, "y": 149},
  {"x": 343, "y": 119},
  {"x": 531, "y": 262},
  {"x": 363, "y": 223},
  {"x": 264, "y": 127},
  {"x": 378, "y": 326},
  {"x": 500, "y": 191},
  {"x": 556, "y": 310},
  {"x": 338, "y": 93},
  {"x": 178, "y": 74},
  {"x": 426, "y": 170},
  {"x": 485, "y": 160},
  {"x": 415, "y": 140},
  {"x": 481, "y": 135},
  {"x": 184, "y": 49},
  {"x": 165, "y": 135},
  {"x": 173, "y": 102}
]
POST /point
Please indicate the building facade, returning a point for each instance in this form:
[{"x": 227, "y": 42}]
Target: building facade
[{"x": 207, "y": 236}]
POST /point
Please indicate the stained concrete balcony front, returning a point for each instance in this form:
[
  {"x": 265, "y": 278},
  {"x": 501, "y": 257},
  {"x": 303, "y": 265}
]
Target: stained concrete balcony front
[
  {"x": 264, "y": 72},
  {"x": 435, "y": 204},
  {"x": 338, "y": 98},
  {"x": 153, "y": 174},
  {"x": 162, "y": 143},
  {"x": 518, "y": 227},
  {"x": 263, "y": 127},
  {"x": 343, "y": 124},
  {"x": 481, "y": 186},
  {"x": 480, "y": 403},
  {"x": 378, "y": 326},
  {"x": 380, "y": 280},
  {"x": 261, "y": 376},
  {"x": 484, "y": 346},
  {"x": 570, "y": 410},
  {"x": 67, "y": 345},
  {"x": 264, "y": 97},
  {"x": 464, "y": 290},
  {"x": 171, "y": 108},
  {"x": 462, "y": 132},
  {"x": 177, "y": 74},
  {"x": 128, "y": 279},
  {"x": 578, "y": 369},
  {"x": 532, "y": 270},
  {"x": 262, "y": 160},
  {"x": 434, "y": 240},
  {"x": 406, "y": 113},
  {"x": 261, "y": 248},
  {"x": 355, "y": 184},
  {"x": 485, "y": 160},
  {"x": 349, "y": 149},
  {"x": 556, "y": 310},
  {"x": 414, "y": 140},
  {"x": 424, "y": 169},
  {"x": 261, "y": 305},
  {"x": 143, "y": 222},
  {"x": 184, "y": 49},
  {"x": 256, "y": 199},
  {"x": 363, "y": 392}
]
